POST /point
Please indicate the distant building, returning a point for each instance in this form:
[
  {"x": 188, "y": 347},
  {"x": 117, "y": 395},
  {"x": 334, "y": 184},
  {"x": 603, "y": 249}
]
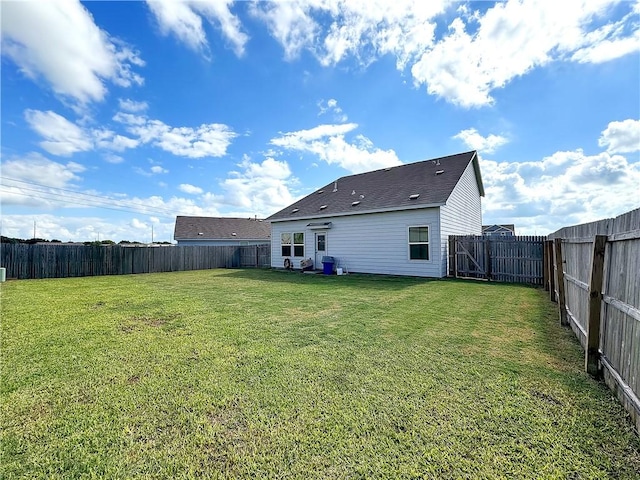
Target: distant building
[
  {"x": 508, "y": 230},
  {"x": 221, "y": 231}
]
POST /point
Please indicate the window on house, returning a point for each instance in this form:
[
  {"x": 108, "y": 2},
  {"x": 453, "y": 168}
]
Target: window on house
[
  {"x": 285, "y": 240},
  {"x": 298, "y": 244},
  {"x": 419, "y": 243},
  {"x": 295, "y": 239}
]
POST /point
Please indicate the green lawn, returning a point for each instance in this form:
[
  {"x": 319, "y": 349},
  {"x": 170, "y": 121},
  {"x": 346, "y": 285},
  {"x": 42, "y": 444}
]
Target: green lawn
[{"x": 264, "y": 374}]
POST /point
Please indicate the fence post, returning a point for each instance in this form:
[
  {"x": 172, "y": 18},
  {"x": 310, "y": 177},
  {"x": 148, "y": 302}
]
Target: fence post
[
  {"x": 450, "y": 255},
  {"x": 592, "y": 355},
  {"x": 546, "y": 278},
  {"x": 562, "y": 303},
  {"x": 550, "y": 273},
  {"x": 455, "y": 257},
  {"x": 487, "y": 252}
]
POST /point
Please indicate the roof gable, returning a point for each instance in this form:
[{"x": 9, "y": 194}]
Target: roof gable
[
  {"x": 221, "y": 228},
  {"x": 499, "y": 228},
  {"x": 413, "y": 185}
]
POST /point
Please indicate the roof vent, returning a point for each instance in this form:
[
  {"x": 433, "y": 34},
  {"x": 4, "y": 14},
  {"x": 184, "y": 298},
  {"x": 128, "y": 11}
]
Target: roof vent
[
  {"x": 414, "y": 196},
  {"x": 200, "y": 233},
  {"x": 320, "y": 191},
  {"x": 234, "y": 234},
  {"x": 335, "y": 186},
  {"x": 439, "y": 172},
  {"x": 322, "y": 207},
  {"x": 387, "y": 169},
  {"x": 353, "y": 192},
  {"x": 295, "y": 210},
  {"x": 357, "y": 202}
]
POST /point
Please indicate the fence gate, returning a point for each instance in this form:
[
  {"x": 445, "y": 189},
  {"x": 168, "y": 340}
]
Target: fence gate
[{"x": 516, "y": 259}]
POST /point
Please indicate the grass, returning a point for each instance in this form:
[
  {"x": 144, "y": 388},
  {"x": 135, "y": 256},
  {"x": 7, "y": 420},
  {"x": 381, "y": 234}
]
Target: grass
[{"x": 264, "y": 374}]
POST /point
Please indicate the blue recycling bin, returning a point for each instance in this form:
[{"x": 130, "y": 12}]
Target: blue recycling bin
[{"x": 327, "y": 265}]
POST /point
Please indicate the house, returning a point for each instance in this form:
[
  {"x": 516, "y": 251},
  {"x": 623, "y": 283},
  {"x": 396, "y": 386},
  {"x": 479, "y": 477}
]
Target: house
[
  {"x": 390, "y": 221},
  {"x": 221, "y": 231},
  {"x": 508, "y": 230}
]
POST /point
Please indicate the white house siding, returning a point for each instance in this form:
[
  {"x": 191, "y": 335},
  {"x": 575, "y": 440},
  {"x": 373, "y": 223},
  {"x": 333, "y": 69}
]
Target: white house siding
[
  {"x": 370, "y": 243},
  {"x": 462, "y": 215}
]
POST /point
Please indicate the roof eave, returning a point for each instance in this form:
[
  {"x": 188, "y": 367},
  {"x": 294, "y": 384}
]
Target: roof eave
[
  {"x": 219, "y": 239},
  {"x": 359, "y": 212},
  {"x": 476, "y": 168}
]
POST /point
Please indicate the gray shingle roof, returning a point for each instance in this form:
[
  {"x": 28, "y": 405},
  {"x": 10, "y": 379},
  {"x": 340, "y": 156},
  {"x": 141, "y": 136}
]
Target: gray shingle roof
[
  {"x": 221, "y": 228},
  {"x": 386, "y": 189}
]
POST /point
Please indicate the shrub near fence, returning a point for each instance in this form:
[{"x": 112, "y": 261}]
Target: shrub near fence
[
  {"x": 24, "y": 261},
  {"x": 595, "y": 278}
]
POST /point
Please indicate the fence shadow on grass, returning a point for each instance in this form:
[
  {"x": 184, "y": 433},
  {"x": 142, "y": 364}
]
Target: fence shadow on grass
[
  {"x": 361, "y": 281},
  {"x": 355, "y": 280}
]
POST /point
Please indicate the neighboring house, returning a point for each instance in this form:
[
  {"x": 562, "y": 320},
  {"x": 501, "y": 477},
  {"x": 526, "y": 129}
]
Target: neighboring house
[
  {"x": 221, "y": 231},
  {"x": 390, "y": 221},
  {"x": 499, "y": 230}
]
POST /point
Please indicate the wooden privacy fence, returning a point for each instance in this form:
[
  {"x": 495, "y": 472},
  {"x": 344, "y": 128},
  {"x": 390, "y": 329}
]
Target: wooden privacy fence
[
  {"x": 516, "y": 259},
  {"x": 594, "y": 276},
  {"x": 24, "y": 261}
]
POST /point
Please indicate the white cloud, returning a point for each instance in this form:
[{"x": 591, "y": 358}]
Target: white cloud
[
  {"x": 607, "y": 50},
  {"x": 110, "y": 140},
  {"x": 481, "y": 52},
  {"x": 329, "y": 144},
  {"x": 332, "y": 108},
  {"x": 259, "y": 188},
  {"x": 183, "y": 18},
  {"x": 366, "y": 30},
  {"x": 36, "y": 168},
  {"x": 19, "y": 174},
  {"x": 157, "y": 169},
  {"x": 290, "y": 23},
  {"x": 130, "y": 118},
  {"x": 512, "y": 38},
  {"x": 132, "y": 106},
  {"x": 62, "y": 137},
  {"x": 112, "y": 158},
  {"x": 59, "y": 41},
  {"x": 562, "y": 189},
  {"x": 297, "y": 140},
  {"x": 621, "y": 137},
  {"x": 154, "y": 170},
  {"x": 207, "y": 140},
  {"x": 475, "y": 141},
  {"x": 87, "y": 228},
  {"x": 190, "y": 189}
]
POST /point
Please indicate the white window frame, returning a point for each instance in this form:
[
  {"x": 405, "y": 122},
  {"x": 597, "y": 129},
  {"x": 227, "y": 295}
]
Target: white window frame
[
  {"x": 427, "y": 243},
  {"x": 290, "y": 244},
  {"x": 294, "y": 244}
]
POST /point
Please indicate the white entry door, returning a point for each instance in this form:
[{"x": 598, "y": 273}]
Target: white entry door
[{"x": 321, "y": 249}]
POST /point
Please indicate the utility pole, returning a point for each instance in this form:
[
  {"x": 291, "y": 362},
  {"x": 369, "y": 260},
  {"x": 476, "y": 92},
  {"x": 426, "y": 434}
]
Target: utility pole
[{"x": 152, "y": 234}]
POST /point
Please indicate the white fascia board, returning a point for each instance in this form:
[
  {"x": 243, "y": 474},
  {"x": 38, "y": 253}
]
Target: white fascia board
[{"x": 360, "y": 212}]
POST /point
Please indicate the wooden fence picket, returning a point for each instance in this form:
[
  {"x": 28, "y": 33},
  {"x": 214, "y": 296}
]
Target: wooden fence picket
[{"x": 23, "y": 261}]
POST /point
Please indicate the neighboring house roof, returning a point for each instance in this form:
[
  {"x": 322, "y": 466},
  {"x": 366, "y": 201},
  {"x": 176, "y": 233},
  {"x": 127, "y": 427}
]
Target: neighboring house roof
[
  {"x": 221, "y": 228},
  {"x": 498, "y": 228},
  {"x": 413, "y": 185}
]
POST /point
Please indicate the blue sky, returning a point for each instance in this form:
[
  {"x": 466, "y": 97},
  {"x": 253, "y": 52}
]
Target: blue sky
[{"x": 118, "y": 116}]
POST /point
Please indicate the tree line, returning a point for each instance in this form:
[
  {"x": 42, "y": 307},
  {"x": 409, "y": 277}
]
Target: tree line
[{"x": 33, "y": 241}]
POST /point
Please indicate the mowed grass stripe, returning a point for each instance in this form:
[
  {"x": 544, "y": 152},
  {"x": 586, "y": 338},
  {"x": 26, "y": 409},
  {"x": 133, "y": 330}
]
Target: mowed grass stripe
[{"x": 264, "y": 374}]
